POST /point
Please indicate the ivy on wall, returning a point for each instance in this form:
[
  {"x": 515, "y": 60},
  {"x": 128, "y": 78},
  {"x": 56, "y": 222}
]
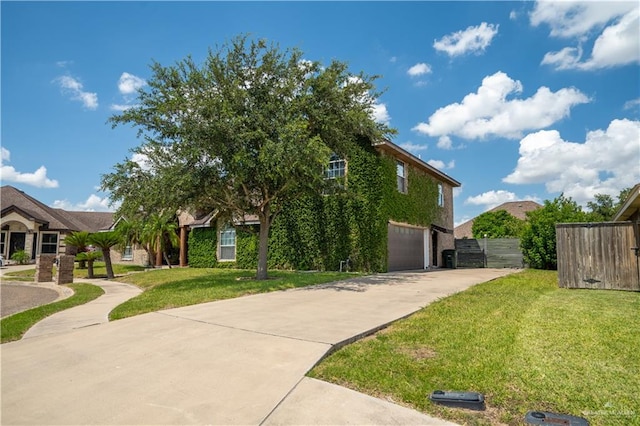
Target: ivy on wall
[
  {"x": 202, "y": 248},
  {"x": 319, "y": 231}
]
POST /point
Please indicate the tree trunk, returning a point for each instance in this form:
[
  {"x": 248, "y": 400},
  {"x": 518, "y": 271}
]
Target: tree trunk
[
  {"x": 263, "y": 243},
  {"x": 166, "y": 259},
  {"x": 90, "y": 269},
  {"x": 106, "y": 253},
  {"x": 159, "y": 252}
]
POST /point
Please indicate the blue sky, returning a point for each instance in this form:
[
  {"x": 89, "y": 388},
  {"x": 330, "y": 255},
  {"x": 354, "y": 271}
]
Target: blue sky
[{"x": 516, "y": 100}]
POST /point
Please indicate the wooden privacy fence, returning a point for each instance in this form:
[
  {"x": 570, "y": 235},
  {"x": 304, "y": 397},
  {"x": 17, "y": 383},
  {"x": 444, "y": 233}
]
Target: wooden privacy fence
[
  {"x": 598, "y": 255},
  {"x": 490, "y": 253}
]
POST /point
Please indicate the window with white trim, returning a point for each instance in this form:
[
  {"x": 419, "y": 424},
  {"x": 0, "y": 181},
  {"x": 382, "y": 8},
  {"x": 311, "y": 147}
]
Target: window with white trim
[
  {"x": 440, "y": 195},
  {"x": 401, "y": 171},
  {"x": 49, "y": 244},
  {"x": 227, "y": 244},
  {"x": 127, "y": 253},
  {"x": 337, "y": 167}
]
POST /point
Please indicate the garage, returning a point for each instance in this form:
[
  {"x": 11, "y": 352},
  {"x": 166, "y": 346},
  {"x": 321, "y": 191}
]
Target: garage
[{"x": 406, "y": 247}]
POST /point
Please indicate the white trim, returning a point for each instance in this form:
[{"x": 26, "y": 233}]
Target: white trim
[
  {"x": 426, "y": 242},
  {"x": 41, "y": 241},
  {"x": 220, "y": 246}
]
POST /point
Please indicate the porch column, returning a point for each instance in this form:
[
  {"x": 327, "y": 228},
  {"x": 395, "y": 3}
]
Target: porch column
[{"x": 183, "y": 246}]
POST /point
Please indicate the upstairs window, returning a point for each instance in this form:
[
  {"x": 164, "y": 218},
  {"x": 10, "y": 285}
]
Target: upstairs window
[
  {"x": 401, "y": 172},
  {"x": 337, "y": 167},
  {"x": 227, "y": 244},
  {"x": 440, "y": 195}
]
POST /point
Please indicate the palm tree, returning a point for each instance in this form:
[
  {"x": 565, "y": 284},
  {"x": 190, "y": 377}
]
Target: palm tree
[
  {"x": 104, "y": 241},
  {"x": 160, "y": 233},
  {"x": 89, "y": 257},
  {"x": 80, "y": 241},
  {"x": 131, "y": 233}
]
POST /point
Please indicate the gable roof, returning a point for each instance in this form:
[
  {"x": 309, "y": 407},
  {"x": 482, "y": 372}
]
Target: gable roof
[
  {"x": 401, "y": 154},
  {"x": 630, "y": 206},
  {"x": 12, "y": 199},
  {"x": 514, "y": 208}
]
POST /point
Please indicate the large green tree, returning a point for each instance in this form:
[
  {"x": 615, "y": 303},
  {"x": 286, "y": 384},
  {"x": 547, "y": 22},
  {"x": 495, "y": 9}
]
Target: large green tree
[
  {"x": 603, "y": 207},
  {"x": 538, "y": 241},
  {"x": 248, "y": 129},
  {"x": 497, "y": 224}
]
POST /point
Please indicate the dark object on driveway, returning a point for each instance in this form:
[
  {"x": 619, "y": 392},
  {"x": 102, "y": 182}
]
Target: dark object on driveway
[
  {"x": 469, "y": 400},
  {"x": 546, "y": 418}
]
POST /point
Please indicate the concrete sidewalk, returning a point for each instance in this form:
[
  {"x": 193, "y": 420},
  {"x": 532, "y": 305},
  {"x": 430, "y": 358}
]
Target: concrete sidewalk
[
  {"x": 91, "y": 313},
  {"x": 237, "y": 361}
]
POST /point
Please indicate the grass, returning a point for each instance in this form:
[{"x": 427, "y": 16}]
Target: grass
[
  {"x": 99, "y": 271},
  {"x": 13, "y": 327},
  {"x": 520, "y": 340},
  {"x": 172, "y": 288}
]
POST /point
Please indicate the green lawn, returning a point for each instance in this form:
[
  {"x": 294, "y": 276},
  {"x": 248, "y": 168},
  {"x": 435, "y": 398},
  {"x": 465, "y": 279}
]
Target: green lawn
[
  {"x": 99, "y": 271},
  {"x": 13, "y": 327},
  {"x": 520, "y": 340},
  {"x": 171, "y": 288}
]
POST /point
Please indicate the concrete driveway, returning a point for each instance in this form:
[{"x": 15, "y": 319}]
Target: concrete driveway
[{"x": 238, "y": 361}]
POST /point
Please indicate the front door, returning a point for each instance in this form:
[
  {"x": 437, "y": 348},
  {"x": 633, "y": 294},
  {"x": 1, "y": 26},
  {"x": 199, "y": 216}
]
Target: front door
[{"x": 16, "y": 242}]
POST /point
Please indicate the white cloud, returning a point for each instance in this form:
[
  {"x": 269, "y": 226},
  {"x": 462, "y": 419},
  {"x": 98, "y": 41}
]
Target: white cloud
[
  {"x": 74, "y": 87},
  {"x": 488, "y": 112},
  {"x": 120, "y": 107},
  {"x": 393, "y": 59},
  {"x": 419, "y": 69},
  {"x": 441, "y": 165},
  {"x": 92, "y": 204},
  {"x": 569, "y": 19},
  {"x": 604, "y": 164},
  {"x": 413, "y": 147},
  {"x": 142, "y": 160},
  {"x": 38, "y": 178},
  {"x": 128, "y": 84},
  {"x": 380, "y": 113},
  {"x": 616, "y": 23},
  {"x": 491, "y": 199},
  {"x": 444, "y": 142},
  {"x": 564, "y": 59},
  {"x": 473, "y": 39},
  {"x": 513, "y": 15},
  {"x": 632, "y": 103},
  {"x": 457, "y": 191}
]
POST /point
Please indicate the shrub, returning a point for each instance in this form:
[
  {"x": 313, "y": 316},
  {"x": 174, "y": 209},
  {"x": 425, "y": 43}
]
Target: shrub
[{"x": 21, "y": 257}]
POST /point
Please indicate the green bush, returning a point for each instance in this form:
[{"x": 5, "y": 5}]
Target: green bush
[
  {"x": 21, "y": 257},
  {"x": 202, "y": 250},
  {"x": 538, "y": 240}
]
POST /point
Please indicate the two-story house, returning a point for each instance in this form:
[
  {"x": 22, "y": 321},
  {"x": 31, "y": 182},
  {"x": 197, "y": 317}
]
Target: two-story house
[{"x": 387, "y": 210}]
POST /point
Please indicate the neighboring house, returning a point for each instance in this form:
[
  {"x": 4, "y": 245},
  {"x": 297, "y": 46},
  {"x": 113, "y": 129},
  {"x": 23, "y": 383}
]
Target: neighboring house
[
  {"x": 517, "y": 209},
  {"x": 388, "y": 210},
  {"x": 630, "y": 208},
  {"x": 29, "y": 225}
]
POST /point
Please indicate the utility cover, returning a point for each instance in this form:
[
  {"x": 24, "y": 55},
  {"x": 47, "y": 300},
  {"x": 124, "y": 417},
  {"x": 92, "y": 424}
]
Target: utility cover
[{"x": 546, "y": 418}]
